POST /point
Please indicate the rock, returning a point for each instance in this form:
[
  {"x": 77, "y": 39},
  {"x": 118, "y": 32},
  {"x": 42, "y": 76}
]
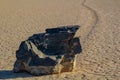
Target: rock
[{"x": 50, "y": 52}]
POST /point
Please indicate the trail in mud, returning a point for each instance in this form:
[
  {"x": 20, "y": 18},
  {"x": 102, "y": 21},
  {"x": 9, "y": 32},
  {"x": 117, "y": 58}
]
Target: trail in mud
[
  {"x": 95, "y": 17},
  {"x": 89, "y": 24}
]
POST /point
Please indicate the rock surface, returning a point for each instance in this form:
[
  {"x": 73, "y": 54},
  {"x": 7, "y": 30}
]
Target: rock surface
[{"x": 50, "y": 52}]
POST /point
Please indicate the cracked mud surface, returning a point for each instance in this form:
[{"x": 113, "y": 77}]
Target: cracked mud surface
[{"x": 99, "y": 34}]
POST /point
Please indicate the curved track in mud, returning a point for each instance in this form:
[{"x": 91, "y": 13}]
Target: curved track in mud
[{"x": 96, "y": 19}]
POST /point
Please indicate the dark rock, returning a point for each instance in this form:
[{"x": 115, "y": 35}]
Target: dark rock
[
  {"x": 50, "y": 52},
  {"x": 72, "y": 29}
]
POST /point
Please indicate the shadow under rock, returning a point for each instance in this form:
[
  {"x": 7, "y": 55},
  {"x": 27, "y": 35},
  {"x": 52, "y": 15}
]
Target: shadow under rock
[{"x": 9, "y": 74}]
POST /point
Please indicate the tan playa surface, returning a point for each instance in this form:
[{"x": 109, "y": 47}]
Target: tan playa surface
[{"x": 99, "y": 34}]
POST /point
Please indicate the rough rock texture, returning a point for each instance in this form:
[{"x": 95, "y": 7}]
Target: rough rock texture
[{"x": 51, "y": 52}]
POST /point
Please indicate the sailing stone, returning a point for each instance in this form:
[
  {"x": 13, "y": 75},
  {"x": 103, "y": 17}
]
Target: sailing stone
[{"x": 47, "y": 53}]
